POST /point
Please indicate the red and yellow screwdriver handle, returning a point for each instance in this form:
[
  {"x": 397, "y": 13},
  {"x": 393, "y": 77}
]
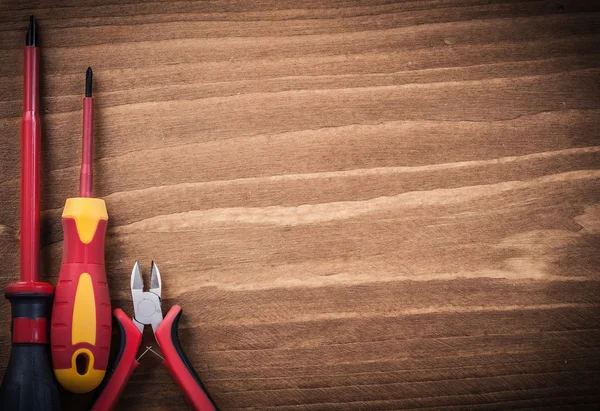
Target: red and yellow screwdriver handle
[{"x": 81, "y": 316}]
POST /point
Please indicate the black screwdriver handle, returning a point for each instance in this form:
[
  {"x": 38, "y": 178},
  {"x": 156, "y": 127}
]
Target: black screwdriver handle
[{"x": 29, "y": 383}]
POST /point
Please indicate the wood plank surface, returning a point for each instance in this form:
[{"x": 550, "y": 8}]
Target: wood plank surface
[{"x": 360, "y": 205}]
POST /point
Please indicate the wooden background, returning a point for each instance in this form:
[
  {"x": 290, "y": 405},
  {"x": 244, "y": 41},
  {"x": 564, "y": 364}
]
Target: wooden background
[{"x": 360, "y": 205}]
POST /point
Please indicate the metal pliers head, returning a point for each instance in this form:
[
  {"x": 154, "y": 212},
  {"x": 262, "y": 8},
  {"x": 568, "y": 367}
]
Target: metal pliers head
[{"x": 147, "y": 309}]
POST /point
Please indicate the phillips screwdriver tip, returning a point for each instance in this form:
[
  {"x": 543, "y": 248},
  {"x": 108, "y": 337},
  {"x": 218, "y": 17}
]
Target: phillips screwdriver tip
[
  {"x": 88, "y": 82},
  {"x": 32, "y": 36}
]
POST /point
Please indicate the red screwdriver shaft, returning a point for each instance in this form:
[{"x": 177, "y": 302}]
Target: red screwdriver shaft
[
  {"x": 30, "y": 168},
  {"x": 86, "y": 173}
]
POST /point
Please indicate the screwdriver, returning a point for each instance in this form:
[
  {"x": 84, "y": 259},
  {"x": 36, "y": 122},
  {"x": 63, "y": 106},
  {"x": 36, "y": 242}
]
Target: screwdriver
[
  {"x": 81, "y": 316},
  {"x": 28, "y": 382}
]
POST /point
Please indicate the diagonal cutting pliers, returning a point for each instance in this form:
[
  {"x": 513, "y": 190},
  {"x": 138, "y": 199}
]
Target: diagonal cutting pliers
[{"x": 148, "y": 311}]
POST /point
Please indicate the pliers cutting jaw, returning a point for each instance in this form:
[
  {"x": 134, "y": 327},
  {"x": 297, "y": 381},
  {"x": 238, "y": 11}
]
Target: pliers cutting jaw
[{"x": 147, "y": 309}]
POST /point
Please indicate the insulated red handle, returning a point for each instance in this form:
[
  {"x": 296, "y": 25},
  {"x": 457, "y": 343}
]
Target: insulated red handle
[
  {"x": 81, "y": 318},
  {"x": 124, "y": 366},
  {"x": 179, "y": 365}
]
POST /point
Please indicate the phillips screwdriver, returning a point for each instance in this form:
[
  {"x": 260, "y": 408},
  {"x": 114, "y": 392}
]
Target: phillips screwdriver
[
  {"x": 29, "y": 383},
  {"x": 81, "y": 316}
]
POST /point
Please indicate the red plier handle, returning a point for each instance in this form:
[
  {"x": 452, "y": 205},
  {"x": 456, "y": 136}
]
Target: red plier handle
[
  {"x": 124, "y": 365},
  {"x": 175, "y": 360},
  {"x": 179, "y": 365}
]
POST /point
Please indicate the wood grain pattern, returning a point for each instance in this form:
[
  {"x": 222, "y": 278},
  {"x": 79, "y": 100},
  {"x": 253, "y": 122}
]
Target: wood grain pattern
[{"x": 360, "y": 205}]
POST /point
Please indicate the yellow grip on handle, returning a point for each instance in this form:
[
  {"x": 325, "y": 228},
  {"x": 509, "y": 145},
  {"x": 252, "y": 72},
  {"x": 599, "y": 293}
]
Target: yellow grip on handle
[{"x": 86, "y": 212}]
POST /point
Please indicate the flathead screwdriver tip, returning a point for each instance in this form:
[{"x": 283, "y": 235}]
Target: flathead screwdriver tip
[
  {"x": 88, "y": 82},
  {"x": 32, "y": 35}
]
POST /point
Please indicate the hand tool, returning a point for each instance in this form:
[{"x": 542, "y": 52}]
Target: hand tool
[
  {"x": 147, "y": 311},
  {"x": 28, "y": 383},
  {"x": 81, "y": 318}
]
